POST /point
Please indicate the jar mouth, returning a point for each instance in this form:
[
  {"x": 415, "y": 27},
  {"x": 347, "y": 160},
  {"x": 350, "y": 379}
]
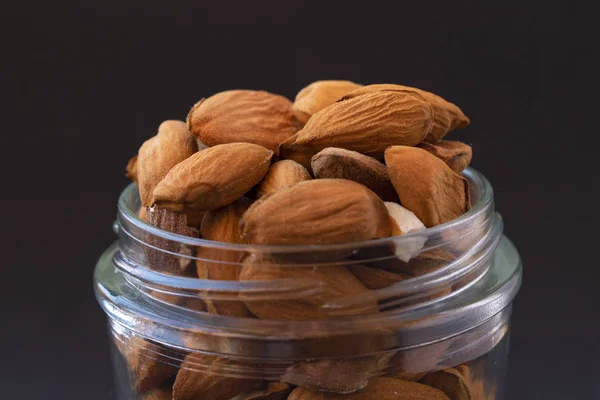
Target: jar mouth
[
  {"x": 460, "y": 293},
  {"x": 481, "y": 190}
]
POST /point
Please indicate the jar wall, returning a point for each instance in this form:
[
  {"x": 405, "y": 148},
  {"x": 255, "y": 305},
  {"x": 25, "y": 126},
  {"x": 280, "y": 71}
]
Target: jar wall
[{"x": 472, "y": 365}]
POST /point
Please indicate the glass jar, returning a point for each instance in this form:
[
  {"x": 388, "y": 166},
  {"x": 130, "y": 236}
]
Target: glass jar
[{"x": 423, "y": 314}]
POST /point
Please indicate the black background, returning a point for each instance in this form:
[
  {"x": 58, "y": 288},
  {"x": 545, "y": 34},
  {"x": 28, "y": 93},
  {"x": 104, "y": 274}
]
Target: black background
[{"x": 84, "y": 84}]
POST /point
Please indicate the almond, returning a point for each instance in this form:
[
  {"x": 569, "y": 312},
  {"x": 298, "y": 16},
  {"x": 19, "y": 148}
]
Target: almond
[
  {"x": 288, "y": 150},
  {"x": 162, "y": 393},
  {"x": 405, "y": 221},
  {"x": 456, "y": 154},
  {"x": 318, "y": 95},
  {"x": 375, "y": 278},
  {"x": 214, "y": 177},
  {"x": 426, "y": 185},
  {"x": 248, "y": 116},
  {"x": 160, "y": 254},
  {"x": 281, "y": 174},
  {"x": 319, "y": 211},
  {"x": 339, "y": 376},
  {"x": 333, "y": 282},
  {"x": 447, "y": 116},
  {"x": 369, "y": 123},
  {"x": 378, "y": 389},
  {"x": 451, "y": 382},
  {"x": 202, "y": 377},
  {"x": 223, "y": 225},
  {"x": 147, "y": 362},
  {"x": 338, "y": 163},
  {"x": 274, "y": 391},
  {"x": 171, "y": 145},
  {"x": 132, "y": 168}
]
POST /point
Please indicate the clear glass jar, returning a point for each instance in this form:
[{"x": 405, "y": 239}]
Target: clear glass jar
[{"x": 429, "y": 308}]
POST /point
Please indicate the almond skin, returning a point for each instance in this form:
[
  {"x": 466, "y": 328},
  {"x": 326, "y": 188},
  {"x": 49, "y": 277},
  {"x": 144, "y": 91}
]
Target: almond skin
[
  {"x": 214, "y": 177},
  {"x": 319, "y": 211},
  {"x": 451, "y": 382},
  {"x": 375, "y": 278},
  {"x": 248, "y": 116},
  {"x": 132, "y": 168},
  {"x": 339, "y": 163},
  {"x": 222, "y": 225},
  {"x": 163, "y": 393},
  {"x": 171, "y": 145},
  {"x": 457, "y": 155},
  {"x": 334, "y": 282},
  {"x": 274, "y": 391},
  {"x": 378, "y": 389},
  {"x": 426, "y": 185},
  {"x": 447, "y": 116},
  {"x": 369, "y": 123},
  {"x": 288, "y": 150},
  {"x": 201, "y": 377},
  {"x": 318, "y": 95},
  {"x": 281, "y": 174}
]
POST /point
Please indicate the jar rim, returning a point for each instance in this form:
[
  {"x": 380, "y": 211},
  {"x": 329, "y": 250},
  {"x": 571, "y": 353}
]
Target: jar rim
[{"x": 478, "y": 183}]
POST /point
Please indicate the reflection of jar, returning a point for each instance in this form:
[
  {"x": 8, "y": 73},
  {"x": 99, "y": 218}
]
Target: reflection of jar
[{"x": 437, "y": 300}]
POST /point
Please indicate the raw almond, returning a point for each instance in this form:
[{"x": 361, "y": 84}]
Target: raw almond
[
  {"x": 147, "y": 362},
  {"x": 214, "y": 177},
  {"x": 332, "y": 283},
  {"x": 447, "y": 116},
  {"x": 248, "y": 116},
  {"x": 427, "y": 262},
  {"x": 426, "y": 185},
  {"x": 132, "y": 168},
  {"x": 222, "y": 225},
  {"x": 160, "y": 255},
  {"x": 339, "y": 376},
  {"x": 274, "y": 391},
  {"x": 319, "y": 211},
  {"x": 318, "y": 95},
  {"x": 201, "y": 377},
  {"x": 456, "y": 154},
  {"x": 281, "y": 174},
  {"x": 339, "y": 163},
  {"x": 171, "y": 145},
  {"x": 162, "y": 393},
  {"x": 289, "y": 150},
  {"x": 451, "y": 382},
  {"x": 378, "y": 389},
  {"x": 369, "y": 123},
  {"x": 375, "y": 278}
]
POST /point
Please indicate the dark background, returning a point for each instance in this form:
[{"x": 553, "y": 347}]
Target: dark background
[{"x": 84, "y": 84}]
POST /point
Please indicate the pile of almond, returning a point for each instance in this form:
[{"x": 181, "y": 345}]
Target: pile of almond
[{"x": 342, "y": 163}]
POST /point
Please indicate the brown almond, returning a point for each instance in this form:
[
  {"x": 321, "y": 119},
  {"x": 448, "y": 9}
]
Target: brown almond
[
  {"x": 132, "y": 168},
  {"x": 148, "y": 363},
  {"x": 334, "y": 282},
  {"x": 337, "y": 375},
  {"x": 160, "y": 255},
  {"x": 339, "y": 163},
  {"x": 162, "y": 393},
  {"x": 319, "y": 211},
  {"x": 274, "y": 391},
  {"x": 214, "y": 177},
  {"x": 447, "y": 116},
  {"x": 449, "y": 381},
  {"x": 281, "y": 174},
  {"x": 378, "y": 389},
  {"x": 250, "y": 116},
  {"x": 171, "y": 145},
  {"x": 456, "y": 154},
  {"x": 289, "y": 150},
  {"x": 427, "y": 262},
  {"x": 369, "y": 123},
  {"x": 375, "y": 278},
  {"x": 426, "y": 185},
  {"x": 223, "y": 225},
  {"x": 318, "y": 95},
  {"x": 202, "y": 377},
  {"x": 194, "y": 218}
]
